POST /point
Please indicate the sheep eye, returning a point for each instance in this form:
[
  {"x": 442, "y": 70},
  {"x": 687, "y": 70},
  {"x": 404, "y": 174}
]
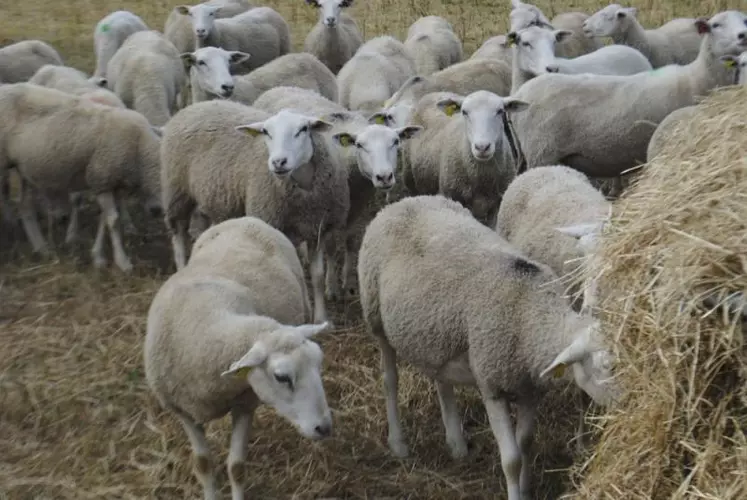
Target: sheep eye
[
  {"x": 303, "y": 129},
  {"x": 284, "y": 379},
  {"x": 716, "y": 25},
  {"x": 464, "y": 113},
  {"x": 526, "y": 44},
  {"x": 396, "y": 142},
  {"x": 264, "y": 131},
  {"x": 201, "y": 63}
]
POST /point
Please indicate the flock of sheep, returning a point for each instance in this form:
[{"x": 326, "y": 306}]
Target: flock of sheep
[{"x": 271, "y": 158}]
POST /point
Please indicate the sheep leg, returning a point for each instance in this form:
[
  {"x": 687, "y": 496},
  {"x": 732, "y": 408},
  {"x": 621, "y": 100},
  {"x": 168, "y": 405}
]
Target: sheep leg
[
  {"x": 74, "y": 224},
  {"x": 452, "y": 422},
  {"x": 203, "y": 469},
  {"x": 5, "y": 203},
  {"x": 27, "y": 211},
  {"x": 179, "y": 242},
  {"x": 332, "y": 278},
  {"x": 525, "y": 422},
  {"x": 97, "y": 252},
  {"x": 242, "y": 426},
  {"x": 499, "y": 416},
  {"x": 108, "y": 206},
  {"x": 316, "y": 270},
  {"x": 349, "y": 272},
  {"x": 125, "y": 218},
  {"x": 391, "y": 382}
]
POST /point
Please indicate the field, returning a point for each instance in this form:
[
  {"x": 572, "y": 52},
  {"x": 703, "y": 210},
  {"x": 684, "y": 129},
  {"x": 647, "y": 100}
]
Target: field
[{"x": 76, "y": 418}]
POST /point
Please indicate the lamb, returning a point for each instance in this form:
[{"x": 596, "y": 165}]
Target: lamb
[
  {"x": 83, "y": 146},
  {"x": 433, "y": 45},
  {"x": 261, "y": 31},
  {"x": 210, "y": 76},
  {"x": 294, "y": 182},
  {"x": 336, "y": 37},
  {"x": 148, "y": 75},
  {"x": 611, "y": 136},
  {"x": 19, "y": 61},
  {"x": 229, "y": 332},
  {"x": 463, "y": 157},
  {"x": 676, "y": 42},
  {"x": 374, "y": 73},
  {"x": 178, "y": 27},
  {"x": 533, "y": 55},
  {"x": 109, "y": 35},
  {"x": 455, "y": 300}
]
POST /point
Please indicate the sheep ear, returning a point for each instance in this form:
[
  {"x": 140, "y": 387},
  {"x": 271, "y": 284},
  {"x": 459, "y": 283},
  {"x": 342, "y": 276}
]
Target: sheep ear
[
  {"x": 252, "y": 359},
  {"x": 516, "y": 4},
  {"x": 319, "y": 125},
  {"x": 579, "y": 230},
  {"x": 310, "y": 330},
  {"x": 581, "y": 347},
  {"x": 729, "y": 61},
  {"x": 379, "y": 118},
  {"x": 182, "y": 9},
  {"x": 701, "y": 24},
  {"x": 253, "y": 129},
  {"x": 313, "y": 3},
  {"x": 236, "y": 57},
  {"x": 562, "y": 35},
  {"x": 188, "y": 59},
  {"x": 344, "y": 139},
  {"x": 346, "y": 3},
  {"x": 408, "y": 132},
  {"x": 626, "y": 11},
  {"x": 512, "y": 39},
  {"x": 449, "y": 106},
  {"x": 157, "y": 130},
  {"x": 514, "y": 105}
]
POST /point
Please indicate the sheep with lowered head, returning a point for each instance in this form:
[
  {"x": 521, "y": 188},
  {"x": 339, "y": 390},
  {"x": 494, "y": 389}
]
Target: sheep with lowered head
[
  {"x": 19, "y": 61},
  {"x": 452, "y": 298},
  {"x": 109, "y": 35},
  {"x": 292, "y": 180},
  {"x": 230, "y": 331},
  {"x": 336, "y": 37},
  {"x": 210, "y": 75},
  {"x": 433, "y": 45},
  {"x": 676, "y": 42},
  {"x": 178, "y": 28}
]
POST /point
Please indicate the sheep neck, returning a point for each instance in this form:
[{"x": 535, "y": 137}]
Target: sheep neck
[
  {"x": 633, "y": 35},
  {"x": 707, "y": 71},
  {"x": 518, "y": 76}
]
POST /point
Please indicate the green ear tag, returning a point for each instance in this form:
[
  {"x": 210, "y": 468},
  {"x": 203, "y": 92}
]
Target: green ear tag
[
  {"x": 242, "y": 372},
  {"x": 104, "y": 28},
  {"x": 558, "y": 371}
]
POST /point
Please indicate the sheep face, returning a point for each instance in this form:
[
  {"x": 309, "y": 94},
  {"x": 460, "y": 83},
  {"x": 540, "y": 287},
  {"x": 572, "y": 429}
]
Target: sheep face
[
  {"x": 330, "y": 10},
  {"x": 524, "y": 15},
  {"x": 535, "y": 49},
  {"x": 288, "y": 138},
  {"x": 397, "y": 115},
  {"x": 211, "y": 69},
  {"x": 728, "y": 32},
  {"x": 376, "y": 151},
  {"x": 482, "y": 112},
  {"x": 609, "y": 21},
  {"x": 202, "y": 16},
  {"x": 284, "y": 371},
  {"x": 738, "y": 63}
]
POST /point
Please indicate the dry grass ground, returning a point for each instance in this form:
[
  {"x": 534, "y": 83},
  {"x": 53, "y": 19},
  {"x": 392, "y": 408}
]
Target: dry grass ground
[{"x": 76, "y": 418}]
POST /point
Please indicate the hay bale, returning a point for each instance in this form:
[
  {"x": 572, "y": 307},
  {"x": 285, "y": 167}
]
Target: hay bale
[{"x": 678, "y": 236}]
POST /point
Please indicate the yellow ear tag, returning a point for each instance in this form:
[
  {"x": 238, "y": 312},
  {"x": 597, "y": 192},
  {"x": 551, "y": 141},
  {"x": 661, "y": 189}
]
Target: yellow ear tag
[
  {"x": 558, "y": 371},
  {"x": 250, "y": 131},
  {"x": 242, "y": 372},
  {"x": 730, "y": 63},
  {"x": 346, "y": 140},
  {"x": 379, "y": 120},
  {"x": 450, "y": 109}
]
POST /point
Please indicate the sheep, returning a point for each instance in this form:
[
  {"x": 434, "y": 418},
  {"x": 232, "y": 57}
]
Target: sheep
[
  {"x": 460, "y": 304},
  {"x": 147, "y": 74},
  {"x": 611, "y": 135},
  {"x": 19, "y": 61},
  {"x": 463, "y": 157},
  {"x": 293, "y": 181},
  {"x": 229, "y": 332},
  {"x": 178, "y": 27},
  {"x": 369, "y": 154},
  {"x": 60, "y": 143},
  {"x": 210, "y": 76},
  {"x": 336, "y": 37},
  {"x": 496, "y": 48},
  {"x": 109, "y": 35},
  {"x": 374, "y": 73},
  {"x": 260, "y": 31},
  {"x": 433, "y": 45},
  {"x": 73, "y": 81},
  {"x": 577, "y": 44},
  {"x": 533, "y": 55},
  {"x": 676, "y": 42}
]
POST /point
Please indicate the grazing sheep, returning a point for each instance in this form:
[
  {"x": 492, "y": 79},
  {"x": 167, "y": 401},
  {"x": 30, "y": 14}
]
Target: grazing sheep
[
  {"x": 374, "y": 73},
  {"x": 601, "y": 125},
  {"x": 148, "y": 75},
  {"x": 84, "y": 146},
  {"x": 495, "y": 48},
  {"x": 336, "y": 37},
  {"x": 533, "y": 55},
  {"x": 178, "y": 28},
  {"x": 293, "y": 181},
  {"x": 260, "y": 31},
  {"x": 19, "y": 61},
  {"x": 453, "y": 299},
  {"x": 433, "y": 45},
  {"x": 229, "y": 332},
  {"x": 463, "y": 157},
  {"x": 676, "y": 42},
  {"x": 109, "y": 35},
  {"x": 210, "y": 75}
]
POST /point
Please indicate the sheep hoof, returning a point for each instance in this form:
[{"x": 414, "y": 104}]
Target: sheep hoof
[
  {"x": 458, "y": 450},
  {"x": 399, "y": 449},
  {"x": 100, "y": 262}
]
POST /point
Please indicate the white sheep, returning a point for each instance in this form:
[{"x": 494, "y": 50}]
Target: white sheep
[
  {"x": 452, "y": 298},
  {"x": 496, "y": 48},
  {"x": 533, "y": 55},
  {"x": 293, "y": 180},
  {"x": 464, "y": 157},
  {"x": 19, "y": 61},
  {"x": 260, "y": 31},
  {"x": 336, "y": 37},
  {"x": 611, "y": 135},
  {"x": 374, "y": 73},
  {"x": 148, "y": 75},
  {"x": 210, "y": 75},
  {"x": 230, "y": 331},
  {"x": 109, "y": 35},
  {"x": 433, "y": 45},
  {"x": 61, "y": 144},
  {"x": 676, "y": 42},
  {"x": 178, "y": 28}
]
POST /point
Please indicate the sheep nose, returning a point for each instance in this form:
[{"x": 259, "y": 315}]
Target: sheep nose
[
  {"x": 200, "y": 31},
  {"x": 324, "y": 430},
  {"x": 742, "y": 35},
  {"x": 385, "y": 179},
  {"x": 227, "y": 88},
  {"x": 552, "y": 69},
  {"x": 280, "y": 164},
  {"x": 482, "y": 147},
  {"x": 330, "y": 21}
]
